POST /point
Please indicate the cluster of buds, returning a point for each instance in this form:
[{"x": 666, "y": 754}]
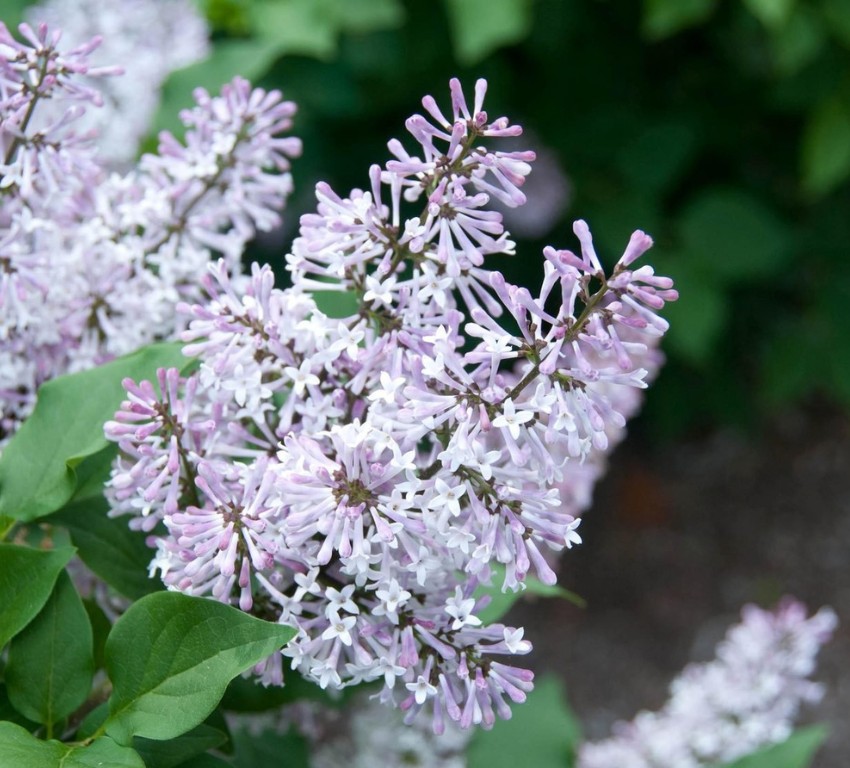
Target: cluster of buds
[
  {"x": 362, "y": 477},
  {"x": 92, "y": 262},
  {"x": 746, "y": 698}
]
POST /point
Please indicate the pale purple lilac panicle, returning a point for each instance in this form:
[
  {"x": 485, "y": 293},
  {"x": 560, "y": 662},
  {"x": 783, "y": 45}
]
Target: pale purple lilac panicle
[
  {"x": 85, "y": 254},
  {"x": 151, "y": 38},
  {"x": 363, "y": 478},
  {"x": 745, "y": 699}
]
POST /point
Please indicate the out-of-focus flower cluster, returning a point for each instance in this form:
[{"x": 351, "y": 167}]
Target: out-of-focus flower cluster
[
  {"x": 151, "y": 38},
  {"x": 360, "y": 477},
  {"x": 745, "y": 699},
  {"x": 93, "y": 263}
]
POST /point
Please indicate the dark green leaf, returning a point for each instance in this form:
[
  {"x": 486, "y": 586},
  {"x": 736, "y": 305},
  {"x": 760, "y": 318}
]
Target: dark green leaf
[
  {"x": 772, "y": 13},
  {"x": 93, "y": 472},
  {"x": 170, "y": 658},
  {"x": 175, "y": 752},
  {"x": 100, "y": 626},
  {"x": 27, "y": 577},
  {"x": 306, "y": 27},
  {"x": 9, "y": 713},
  {"x": 796, "y": 752},
  {"x": 107, "y": 545},
  {"x": 837, "y": 15},
  {"x": 211, "y": 761},
  {"x": 247, "y": 695},
  {"x": 663, "y": 18},
  {"x": 38, "y": 466},
  {"x": 361, "y": 16},
  {"x": 542, "y": 730},
  {"x": 799, "y": 41},
  {"x": 826, "y": 146},
  {"x": 699, "y": 316},
  {"x": 92, "y": 721},
  {"x": 20, "y": 749},
  {"x": 656, "y": 158},
  {"x": 734, "y": 236},
  {"x": 270, "y": 748},
  {"x": 793, "y": 363},
  {"x": 479, "y": 27},
  {"x": 50, "y": 667}
]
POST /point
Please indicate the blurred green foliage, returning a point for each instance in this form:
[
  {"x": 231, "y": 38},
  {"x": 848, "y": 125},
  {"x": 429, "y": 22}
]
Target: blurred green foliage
[{"x": 720, "y": 127}]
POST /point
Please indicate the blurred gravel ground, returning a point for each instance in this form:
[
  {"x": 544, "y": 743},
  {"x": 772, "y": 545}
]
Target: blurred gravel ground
[{"x": 677, "y": 541}]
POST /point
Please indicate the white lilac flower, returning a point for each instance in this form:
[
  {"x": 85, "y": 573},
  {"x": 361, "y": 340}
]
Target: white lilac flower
[
  {"x": 745, "y": 699},
  {"x": 151, "y": 38},
  {"x": 382, "y": 464},
  {"x": 85, "y": 253}
]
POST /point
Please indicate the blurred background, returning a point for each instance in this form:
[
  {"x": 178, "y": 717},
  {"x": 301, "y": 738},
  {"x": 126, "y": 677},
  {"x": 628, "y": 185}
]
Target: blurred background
[{"x": 720, "y": 127}]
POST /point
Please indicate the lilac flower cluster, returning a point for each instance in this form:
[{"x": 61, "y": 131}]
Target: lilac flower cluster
[
  {"x": 745, "y": 699},
  {"x": 85, "y": 254},
  {"x": 151, "y": 38},
  {"x": 361, "y": 477}
]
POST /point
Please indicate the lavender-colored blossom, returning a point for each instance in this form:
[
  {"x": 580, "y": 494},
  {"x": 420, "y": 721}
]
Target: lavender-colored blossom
[
  {"x": 377, "y": 471},
  {"x": 745, "y": 699},
  {"x": 85, "y": 253},
  {"x": 151, "y": 38}
]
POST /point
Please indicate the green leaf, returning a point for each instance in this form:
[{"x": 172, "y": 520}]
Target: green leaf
[
  {"x": 175, "y": 752},
  {"x": 796, "y": 752},
  {"x": 108, "y": 547},
  {"x": 93, "y": 472},
  {"x": 228, "y": 16},
  {"x": 247, "y": 695},
  {"x": 27, "y": 577},
  {"x": 479, "y": 27},
  {"x": 51, "y": 663},
  {"x": 826, "y": 146},
  {"x": 13, "y": 13},
  {"x": 268, "y": 748},
  {"x": 336, "y": 304},
  {"x": 38, "y": 466},
  {"x": 9, "y": 713},
  {"x": 362, "y": 16},
  {"x": 699, "y": 316},
  {"x": 799, "y": 41},
  {"x": 542, "y": 730},
  {"x": 100, "y": 626},
  {"x": 211, "y": 761},
  {"x": 837, "y": 15},
  {"x": 656, "y": 158},
  {"x": 501, "y": 602},
  {"x": 664, "y": 18},
  {"x": 91, "y": 723},
  {"x": 772, "y": 13},
  {"x": 733, "y": 236},
  {"x": 20, "y": 749},
  {"x": 170, "y": 658},
  {"x": 305, "y": 27}
]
